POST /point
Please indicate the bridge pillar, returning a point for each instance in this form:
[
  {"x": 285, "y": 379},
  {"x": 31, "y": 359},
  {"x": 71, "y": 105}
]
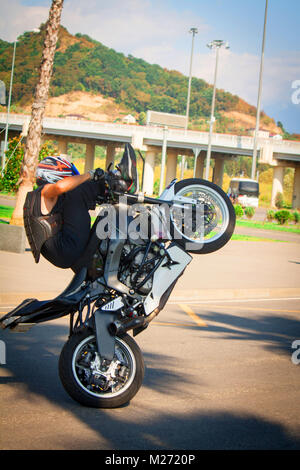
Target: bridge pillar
[
  {"x": 110, "y": 155},
  {"x": 199, "y": 164},
  {"x": 277, "y": 183},
  {"x": 63, "y": 146},
  {"x": 89, "y": 157},
  {"x": 171, "y": 166},
  {"x": 149, "y": 172},
  {"x": 296, "y": 188},
  {"x": 218, "y": 171}
]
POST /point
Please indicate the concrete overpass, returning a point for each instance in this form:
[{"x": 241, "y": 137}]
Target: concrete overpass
[{"x": 278, "y": 153}]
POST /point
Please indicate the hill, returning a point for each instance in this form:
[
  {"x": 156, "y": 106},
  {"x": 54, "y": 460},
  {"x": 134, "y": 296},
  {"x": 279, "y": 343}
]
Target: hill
[{"x": 98, "y": 83}]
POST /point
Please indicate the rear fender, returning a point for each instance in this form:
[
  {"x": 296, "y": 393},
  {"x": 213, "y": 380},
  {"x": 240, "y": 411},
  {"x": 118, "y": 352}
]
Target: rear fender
[{"x": 37, "y": 311}]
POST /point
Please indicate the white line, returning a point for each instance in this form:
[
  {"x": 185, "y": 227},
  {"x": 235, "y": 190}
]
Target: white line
[{"x": 195, "y": 302}]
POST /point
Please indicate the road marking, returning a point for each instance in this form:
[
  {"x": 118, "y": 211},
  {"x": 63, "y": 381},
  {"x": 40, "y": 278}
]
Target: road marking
[
  {"x": 256, "y": 308},
  {"x": 192, "y": 314},
  {"x": 238, "y": 307},
  {"x": 168, "y": 323},
  {"x": 198, "y": 302}
]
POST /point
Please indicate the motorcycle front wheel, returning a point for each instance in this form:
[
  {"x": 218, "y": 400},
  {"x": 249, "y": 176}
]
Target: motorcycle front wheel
[
  {"x": 206, "y": 225},
  {"x": 93, "y": 382}
]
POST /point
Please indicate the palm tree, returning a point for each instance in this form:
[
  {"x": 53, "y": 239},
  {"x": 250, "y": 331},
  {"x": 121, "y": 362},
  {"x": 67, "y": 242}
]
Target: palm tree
[{"x": 33, "y": 141}]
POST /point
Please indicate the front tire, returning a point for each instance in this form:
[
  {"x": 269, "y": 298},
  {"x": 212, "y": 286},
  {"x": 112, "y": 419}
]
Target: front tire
[
  {"x": 217, "y": 219},
  {"x": 83, "y": 376}
]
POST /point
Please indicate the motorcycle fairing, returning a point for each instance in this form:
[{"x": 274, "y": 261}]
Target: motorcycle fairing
[
  {"x": 128, "y": 169},
  {"x": 165, "y": 276}
]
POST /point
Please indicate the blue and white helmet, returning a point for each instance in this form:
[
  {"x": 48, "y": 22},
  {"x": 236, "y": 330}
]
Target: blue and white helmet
[{"x": 54, "y": 168}]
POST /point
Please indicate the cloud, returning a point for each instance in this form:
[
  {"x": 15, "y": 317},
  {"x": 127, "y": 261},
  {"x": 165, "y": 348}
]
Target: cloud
[
  {"x": 16, "y": 18},
  {"x": 128, "y": 26},
  {"x": 158, "y": 32},
  {"x": 239, "y": 74}
]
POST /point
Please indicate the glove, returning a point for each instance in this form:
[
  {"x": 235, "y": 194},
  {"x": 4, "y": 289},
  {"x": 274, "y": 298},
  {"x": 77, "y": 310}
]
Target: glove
[
  {"x": 97, "y": 174},
  {"x": 116, "y": 182}
]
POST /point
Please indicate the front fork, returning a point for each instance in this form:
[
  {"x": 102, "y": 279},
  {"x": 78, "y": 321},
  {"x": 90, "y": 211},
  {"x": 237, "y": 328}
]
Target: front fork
[{"x": 106, "y": 340}]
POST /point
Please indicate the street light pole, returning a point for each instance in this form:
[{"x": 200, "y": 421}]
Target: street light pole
[
  {"x": 194, "y": 31},
  {"x": 253, "y": 169},
  {"x": 8, "y": 106},
  {"x": 216, "y": 44}
]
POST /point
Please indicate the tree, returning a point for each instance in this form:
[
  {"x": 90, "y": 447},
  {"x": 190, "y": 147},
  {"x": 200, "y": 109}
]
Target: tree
[{"x": 33, "y": 141}]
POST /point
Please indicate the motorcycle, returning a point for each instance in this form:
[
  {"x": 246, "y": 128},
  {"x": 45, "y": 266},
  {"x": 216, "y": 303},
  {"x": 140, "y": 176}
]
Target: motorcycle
[{"x": 124, "y": 279}]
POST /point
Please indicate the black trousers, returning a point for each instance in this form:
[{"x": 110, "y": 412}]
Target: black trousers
[{"x": 64, "y": 249}]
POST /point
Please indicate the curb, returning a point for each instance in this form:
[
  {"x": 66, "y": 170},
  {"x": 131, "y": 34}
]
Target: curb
[
  {"x": 233, "y": 294},
  {"x": 15, "y": 298}
]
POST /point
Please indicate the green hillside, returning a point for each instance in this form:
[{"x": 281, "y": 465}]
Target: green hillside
[
  {"x": 83, "y": 64},
  {"x": 87, "y": 65}
]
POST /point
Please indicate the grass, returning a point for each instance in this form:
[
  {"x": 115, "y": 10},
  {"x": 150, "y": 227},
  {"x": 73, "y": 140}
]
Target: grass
[
  {"x": 267, "y": 226},
  {"x": 237, "y": 237},
  {"x": 5, "y": 213}
]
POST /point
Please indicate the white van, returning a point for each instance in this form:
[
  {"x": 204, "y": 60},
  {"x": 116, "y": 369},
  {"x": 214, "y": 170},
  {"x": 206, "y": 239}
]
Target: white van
[{"x": 244, "y": 191}]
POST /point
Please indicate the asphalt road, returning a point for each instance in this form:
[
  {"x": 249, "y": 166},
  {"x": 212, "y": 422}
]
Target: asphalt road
[{"x": 219, "y": 375}]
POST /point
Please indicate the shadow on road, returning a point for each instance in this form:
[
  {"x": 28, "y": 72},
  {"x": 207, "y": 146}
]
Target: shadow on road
[
  {"x": 275, "y": 333},
  {"x": 32, "y": 359}
]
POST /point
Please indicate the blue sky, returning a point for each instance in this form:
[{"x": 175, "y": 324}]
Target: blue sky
[{"x": 157, "y": 31}]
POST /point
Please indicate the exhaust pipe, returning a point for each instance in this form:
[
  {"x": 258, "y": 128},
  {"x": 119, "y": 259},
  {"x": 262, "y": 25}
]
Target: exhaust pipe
[{"x": 120, "y": 327}]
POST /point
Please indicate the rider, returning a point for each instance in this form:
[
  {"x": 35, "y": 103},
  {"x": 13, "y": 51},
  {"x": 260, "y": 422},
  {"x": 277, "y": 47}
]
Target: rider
[{"x": 63, "y": 200}]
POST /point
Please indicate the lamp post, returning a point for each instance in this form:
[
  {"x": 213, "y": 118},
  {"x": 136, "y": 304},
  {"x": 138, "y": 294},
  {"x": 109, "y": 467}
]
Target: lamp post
[
  {"x": 254, "y": 158},
  {"x": 8, "y": 106},
  {"x": 35, "y": 30},
  {"x": 216, "y": 44},
  {"x": 194, "y": 31}
]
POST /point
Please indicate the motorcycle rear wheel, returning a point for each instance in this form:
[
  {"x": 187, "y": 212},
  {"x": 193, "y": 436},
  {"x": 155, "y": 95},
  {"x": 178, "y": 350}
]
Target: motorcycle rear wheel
[
  {"x": 81, "y": 376},
  {"x": 217, "y": 217}
]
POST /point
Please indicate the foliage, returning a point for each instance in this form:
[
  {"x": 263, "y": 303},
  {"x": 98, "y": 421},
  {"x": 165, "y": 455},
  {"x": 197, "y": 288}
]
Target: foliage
[
  {"x": 84, "y": 64},
  {"x": 14, "y": 157},
  {"x": 296, "y": 217},
  {"x": 279, "y": 202},
  {"x": 270, "y": 215},
  {"x": 249, "y": 212},
  {"x": 9, "y": 182},
  {"x": 239, "y": 211},
  {"x": 282, "y": 216}
]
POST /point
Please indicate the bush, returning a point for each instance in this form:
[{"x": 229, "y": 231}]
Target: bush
[
  {"x": 282, "y": 216},
  {"x": 9, "y": 182},
  {"x": 279, "y": 202},
  {"x": 296, "y": 217},
  {"x": 270, "y": 215},
  {"x": 249, "y": 212},
  {"x": 239, "y": 212},
  {"x": 13, "y": 159}
]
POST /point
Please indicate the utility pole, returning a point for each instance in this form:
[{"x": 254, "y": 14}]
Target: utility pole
[
  {"x": 194, "y": 31},
  {"x": 259, "y": 97},
  {"x": 216, "y": 44},
  {"x": 8, "y": 106}
]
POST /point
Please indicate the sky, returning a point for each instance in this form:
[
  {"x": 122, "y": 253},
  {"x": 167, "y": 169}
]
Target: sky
[{"x": 158, "y": 32}]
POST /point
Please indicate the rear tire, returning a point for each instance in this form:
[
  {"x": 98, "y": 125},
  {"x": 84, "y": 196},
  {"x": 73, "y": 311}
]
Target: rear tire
[{"x": 86, "y": 385}]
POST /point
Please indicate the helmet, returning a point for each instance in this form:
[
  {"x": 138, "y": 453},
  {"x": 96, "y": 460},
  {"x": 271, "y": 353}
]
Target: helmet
[{"x": 54, "y": 168}]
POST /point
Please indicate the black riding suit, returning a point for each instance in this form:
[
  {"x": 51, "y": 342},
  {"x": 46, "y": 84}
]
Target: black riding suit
[{"x": 64, "y": 248}]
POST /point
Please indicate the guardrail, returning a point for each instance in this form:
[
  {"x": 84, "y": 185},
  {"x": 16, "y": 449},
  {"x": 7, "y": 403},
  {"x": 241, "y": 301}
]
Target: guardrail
[{"x": 155, "y": 133}]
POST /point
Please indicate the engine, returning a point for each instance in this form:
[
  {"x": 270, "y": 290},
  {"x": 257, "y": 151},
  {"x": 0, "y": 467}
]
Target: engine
[{"x": 137, "y": 266}]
